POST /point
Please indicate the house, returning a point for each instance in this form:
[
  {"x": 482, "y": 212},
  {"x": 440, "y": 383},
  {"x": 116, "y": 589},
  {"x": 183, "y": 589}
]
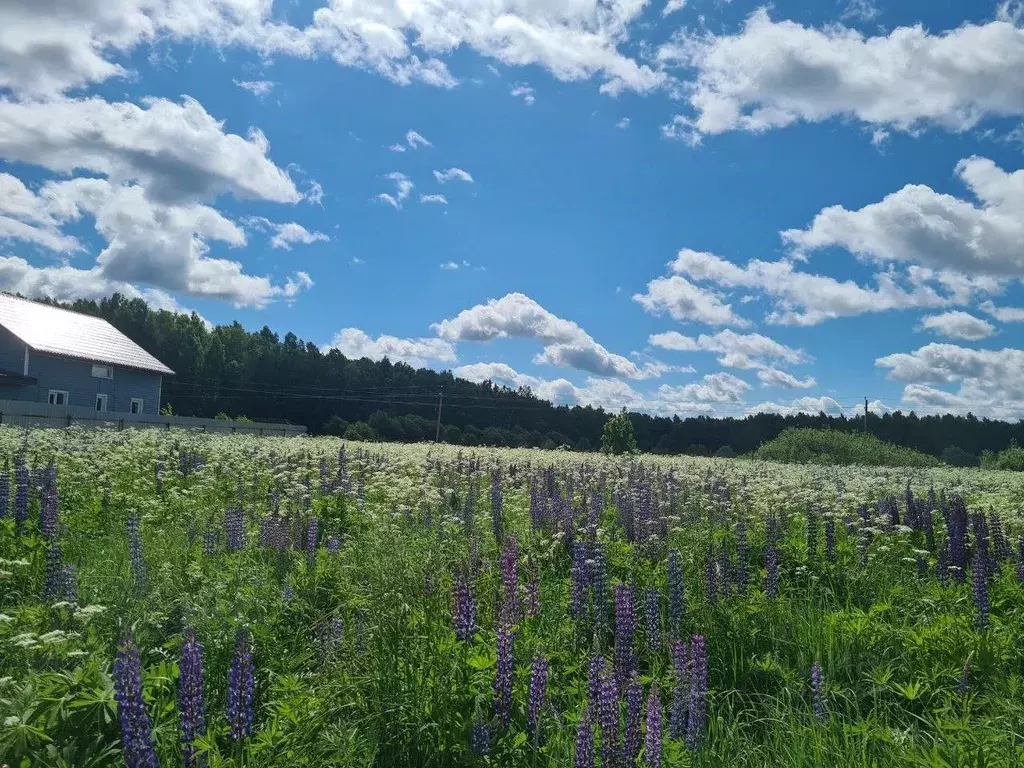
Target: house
[{"x": 64, "y": 358}]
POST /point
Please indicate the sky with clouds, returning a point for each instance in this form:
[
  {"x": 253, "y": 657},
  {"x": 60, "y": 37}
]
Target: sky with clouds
[{"x": 677, "y": 206}]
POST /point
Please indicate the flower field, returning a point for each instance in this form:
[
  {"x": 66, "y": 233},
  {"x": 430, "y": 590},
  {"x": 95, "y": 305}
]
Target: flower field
[{"x": 181, "y": 599}]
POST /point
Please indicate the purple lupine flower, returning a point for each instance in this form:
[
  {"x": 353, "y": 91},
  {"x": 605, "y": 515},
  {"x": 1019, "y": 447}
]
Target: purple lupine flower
[
  {"x": 333, "y": 545},
  {"x": 69, "y": 584},
  {"x": 742, "y": 556},
  {"x": 54, "y": 566},
  {"x": 241, "y": 688},
  {"x": 538, "y": 696},
  {"x": 48, "y": 513},
  {"x": 496, "y": 506},
  {"x": 191, "y": 700},
  {"x": 5, "y": 494},
  {"x": 652, "y": 743},
  {"x": 463, "y": 609},
  {"x": 584, "y": 757},
  {"x": 956, "y": 525},
  {"x": 818, "y": 692},
  {"x": 830, "y": 540},
  {"x": 711, "y": 577},
  {"x": 608, "y": 716},
  {"x": 676, "y": 595},
  {"x": 287, "y": 594},
  {"x": 594, "y": 677},
  {"x": 234, "y": 527},
  {"x": 21, "y": 481},
  {"x": 1020, "y": 560},
  {"x": 503, "y": 675},
  {"x": 812, "y": 535},
  {"x": 510, "y": 576},
  {"x": 978, "y": 578},
  {"x": 533, "y": 594},
  {"x": 652, "y": 619},
  {"x": 771, "y": 563},
  {"x": 680, "y": 691},
  {"x": 697, "y": 721},
  {"x": 578, "y": 588},
  {"x": 312, "y": 539},
  {"x": 625, "y": 629},
  {"x": 137, "y": 745},
  {"x": 634, "y": 718},
  {"x": 964, "y": 687},
  {"x": 599, "y": 584},
  {"x": 480, "y": 737},
  {"x": 138, "y": 563}
]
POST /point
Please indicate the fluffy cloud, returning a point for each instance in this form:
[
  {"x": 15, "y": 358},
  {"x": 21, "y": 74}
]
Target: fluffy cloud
[
  {"x": 403, "y": 188},
  {"x": 683, "y": 300},
  {"x": 284, "y": 235},
  {"x": 958, "y": 325},
  {"x": 566, "y": 344},
  {"x": 813, "y": 405},
  {"x": 705, "y": 396},
  {"x": 356, "y": 344},
  {"x": 773, "y": 377},
  {"x": 416, "y": 140},
  {"x": 774, "y": 73},
  {"x": 177, "y": 152},
  {"x": 1003, "y": 314},
  {"x": 525, "y": 92},
  {"x": 435, "y": 199},
  {"x": 28, "y": 217},
  {"x": 52, "y": 46},
  {"x": 258, "y": 88},
  {"x": 802, "y": 298},
  {"x": 740, "y": 346},
  {"x": 453, "y": 174},
  {"x": 989, "y": 381},
  {"x": 921, "y": 226}
]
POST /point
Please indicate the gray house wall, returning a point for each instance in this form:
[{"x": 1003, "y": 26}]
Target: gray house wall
[{"x": 75, "y": 377}]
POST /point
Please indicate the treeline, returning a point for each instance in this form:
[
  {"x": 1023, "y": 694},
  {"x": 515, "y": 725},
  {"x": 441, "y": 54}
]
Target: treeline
[{"x": 260, "y": 375}]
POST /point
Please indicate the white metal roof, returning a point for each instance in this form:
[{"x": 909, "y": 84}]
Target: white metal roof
[{"x": 56, "y": 331}]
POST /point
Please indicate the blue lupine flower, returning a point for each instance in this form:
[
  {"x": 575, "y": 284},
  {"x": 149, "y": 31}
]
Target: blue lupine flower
[
  {"x": 480, "y": 738},
  {"x": 69, "y": 584},
  {"x": 510, "y": 577},
  {"x": 463, "y": 609},
  {"x": 771, "y": 563},
  {"x": 830, "y": 540},
  {"x": 234, "y": 526},
  {"x": 54, "y": 567},
  {"x": 5, "y": 494},
  {"x": 697, "y": 721},
  {"x": 538, "y": 695},
  {"x": 634, "y": 718},
  {"x": 652, "y": 742},
  {"x": 137, "y": 745},
  {"x": 625, "y": 629},
  {"x": 680, "y": 691},
  {"x": 191, "y": 698},
  {"x": 584, "y": 757},
  {"x": 676, "y": 594},
  {"x": 138, "y": 564},
  {"x": 503, "y": 675},
  {"x": 608, "y": 716},
  {"x": 578, "y": 583},
  {"x": 21, "y": 481},
  {"x": 241, "y": 688},
  {"x": 818, "y": 692}
]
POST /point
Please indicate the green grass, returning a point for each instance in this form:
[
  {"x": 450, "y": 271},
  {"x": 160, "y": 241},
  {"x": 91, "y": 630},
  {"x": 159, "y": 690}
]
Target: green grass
[
  {"x": 831, "y": 447},
  {"x": 400, "y": 690}
]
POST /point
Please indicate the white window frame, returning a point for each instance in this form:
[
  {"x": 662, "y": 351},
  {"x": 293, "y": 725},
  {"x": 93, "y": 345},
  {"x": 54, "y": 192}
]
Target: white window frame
[
  {"x": 132, "y": 403},
  {"x": 101, "y": 397},
  {"x": 103, "y": 371},
  {"x": 54, "y": 395}
]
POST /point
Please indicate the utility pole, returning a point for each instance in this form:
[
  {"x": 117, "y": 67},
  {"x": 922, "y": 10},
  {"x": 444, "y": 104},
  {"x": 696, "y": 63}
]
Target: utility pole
[
  {"x": 437, "y": 432},
  {"x": 865, "y": 415}
]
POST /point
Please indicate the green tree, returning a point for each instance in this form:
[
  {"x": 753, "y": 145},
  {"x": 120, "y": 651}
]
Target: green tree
[
  {"x": 958, "y": 457},
  {"x": 618, "y": 435}
]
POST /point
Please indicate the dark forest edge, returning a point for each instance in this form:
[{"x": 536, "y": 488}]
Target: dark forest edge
[{"x": 228, "y": 370}]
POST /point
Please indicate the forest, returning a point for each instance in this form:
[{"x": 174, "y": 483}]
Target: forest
[{"x": 230, "y": 371}]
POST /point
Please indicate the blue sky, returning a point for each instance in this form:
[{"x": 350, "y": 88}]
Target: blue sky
[{"x": 683, "y": 207}]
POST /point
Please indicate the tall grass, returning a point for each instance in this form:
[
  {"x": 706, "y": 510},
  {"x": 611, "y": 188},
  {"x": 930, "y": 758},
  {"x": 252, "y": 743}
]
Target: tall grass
[{"x": 832, "y": 447}]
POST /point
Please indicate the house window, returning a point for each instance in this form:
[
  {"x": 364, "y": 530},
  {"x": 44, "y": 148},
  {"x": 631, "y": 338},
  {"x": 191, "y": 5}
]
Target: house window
[
  {"x": 58, "y": 397},
  {"x": 103, "y": 371},
  {"x": 101, "y": 402},
  {"x": 136, "y": 405}
]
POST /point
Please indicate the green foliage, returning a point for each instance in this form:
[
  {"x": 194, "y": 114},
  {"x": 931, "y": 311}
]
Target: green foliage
[
  {"x": 336, "y": 426},
  {"x": 1011, "y": 458},
  {"x": 360, "y": 431},
  {"x": 957, "y": 457},
  {"x": 828, "y": 446},
  {"x": 167, "y": 410},
  {"x": 618, "y": 436},
  {"x": 725, "y": 452}
]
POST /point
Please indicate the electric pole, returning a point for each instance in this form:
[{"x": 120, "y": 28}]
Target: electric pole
[
  {"x": 865, "y": 415},
  {"x": 437, "y": 432}
]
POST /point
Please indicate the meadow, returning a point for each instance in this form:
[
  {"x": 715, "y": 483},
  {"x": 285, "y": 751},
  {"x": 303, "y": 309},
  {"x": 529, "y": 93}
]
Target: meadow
[{"x": 175, "y": 598}]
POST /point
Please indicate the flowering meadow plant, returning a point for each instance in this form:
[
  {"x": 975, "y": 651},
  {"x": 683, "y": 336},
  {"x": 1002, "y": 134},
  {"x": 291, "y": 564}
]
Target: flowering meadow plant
[{"x": 176, "y": 598}]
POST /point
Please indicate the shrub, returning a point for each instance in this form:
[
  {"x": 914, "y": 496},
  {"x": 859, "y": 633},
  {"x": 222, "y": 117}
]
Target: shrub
[
  {"x": 1011, "y": 459},
  {"x": 958, "y": 457},
  {"x": 360, "y": 430},
  {"x": 725, "y": 452},
  {"x": 828, "y": 446}
]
